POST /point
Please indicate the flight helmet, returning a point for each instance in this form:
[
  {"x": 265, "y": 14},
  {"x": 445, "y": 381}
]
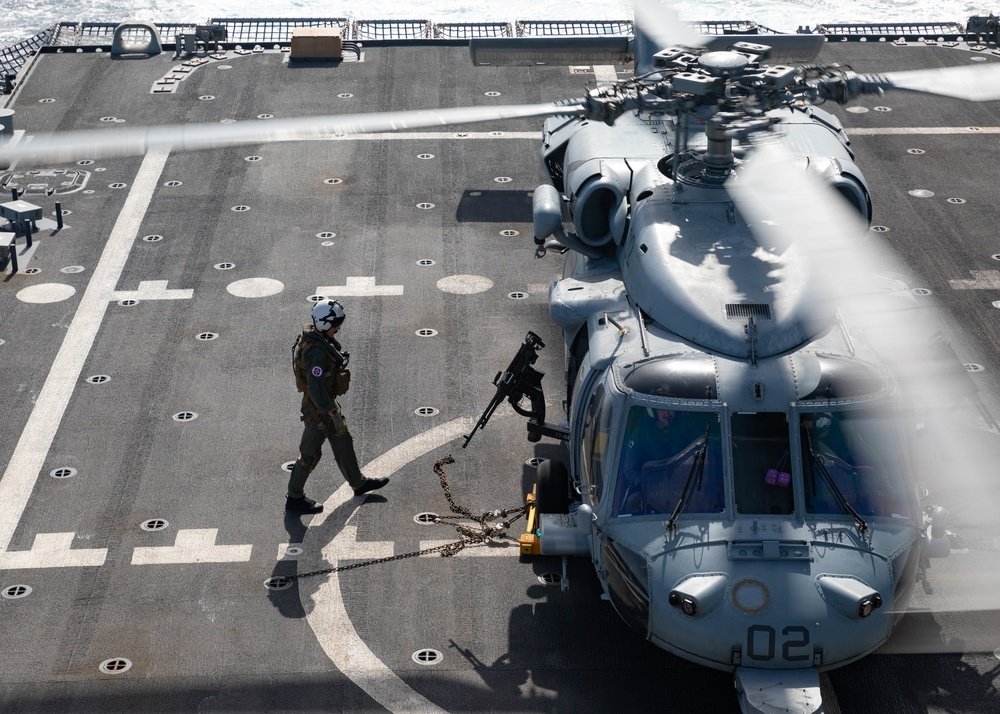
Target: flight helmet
[{"x": 328, "y": 314}]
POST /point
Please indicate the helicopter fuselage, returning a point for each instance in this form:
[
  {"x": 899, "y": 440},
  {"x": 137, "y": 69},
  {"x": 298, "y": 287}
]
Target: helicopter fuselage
[{"x": 740, "y": 459}]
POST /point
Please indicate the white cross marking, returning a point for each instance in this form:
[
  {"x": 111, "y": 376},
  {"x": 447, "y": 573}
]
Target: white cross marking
[
  {"x": 153, "y": 290},
  {"x": 52, "y": 550},
  {"x": 359, "y": 287},
  {"x": 193, "y": 545},
  {"x": 981, "y": 280}
]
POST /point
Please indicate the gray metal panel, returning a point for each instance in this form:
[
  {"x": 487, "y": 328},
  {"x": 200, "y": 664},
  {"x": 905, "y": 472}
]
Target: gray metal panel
[{"x": 531, "y": 51}]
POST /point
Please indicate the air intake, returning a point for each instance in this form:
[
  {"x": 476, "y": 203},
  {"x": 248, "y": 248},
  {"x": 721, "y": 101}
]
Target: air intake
[{"x": 744, "y": 311}]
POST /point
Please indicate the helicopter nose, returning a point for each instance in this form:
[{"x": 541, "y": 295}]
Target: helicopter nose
[{"x": 771, "y": 616}]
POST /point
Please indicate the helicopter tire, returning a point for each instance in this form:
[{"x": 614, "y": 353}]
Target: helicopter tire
[{"x": 552, "y": 487}]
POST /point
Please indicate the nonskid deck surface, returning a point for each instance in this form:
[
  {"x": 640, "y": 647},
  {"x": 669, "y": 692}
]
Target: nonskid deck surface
[{"x": 183, "y": 279}]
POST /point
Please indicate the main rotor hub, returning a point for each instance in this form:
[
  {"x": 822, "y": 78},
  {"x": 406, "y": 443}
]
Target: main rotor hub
[{"x": 723, "y": 64}]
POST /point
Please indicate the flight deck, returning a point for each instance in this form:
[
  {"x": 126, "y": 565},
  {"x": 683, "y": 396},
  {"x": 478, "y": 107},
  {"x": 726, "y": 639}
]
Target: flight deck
[{"x": 150, "y": 415}]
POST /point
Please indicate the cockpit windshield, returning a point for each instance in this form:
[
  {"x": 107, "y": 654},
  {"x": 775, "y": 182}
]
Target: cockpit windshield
[
  {"x": 670, "y": 457},
  {"x": 852, "y": 456},
  {"x": 762, "y": 466}
]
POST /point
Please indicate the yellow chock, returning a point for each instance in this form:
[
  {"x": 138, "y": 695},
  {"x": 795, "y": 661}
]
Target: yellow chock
[{"x": 531, "y": 544}]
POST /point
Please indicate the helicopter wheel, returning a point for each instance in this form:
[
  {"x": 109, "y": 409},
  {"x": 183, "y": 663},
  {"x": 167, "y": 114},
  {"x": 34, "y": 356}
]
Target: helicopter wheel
[{"x": 552, "y": 487}]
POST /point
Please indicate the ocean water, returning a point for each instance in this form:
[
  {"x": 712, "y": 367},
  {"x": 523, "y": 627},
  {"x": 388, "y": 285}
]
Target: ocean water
[{"x": 22, "y": 18}]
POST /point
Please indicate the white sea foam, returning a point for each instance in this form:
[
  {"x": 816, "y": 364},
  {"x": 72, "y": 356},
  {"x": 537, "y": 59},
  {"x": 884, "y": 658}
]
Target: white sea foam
[{"x": 22, "y": 18}]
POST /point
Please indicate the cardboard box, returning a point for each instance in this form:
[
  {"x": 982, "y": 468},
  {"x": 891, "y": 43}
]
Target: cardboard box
[{"x": 316, "y": 43}]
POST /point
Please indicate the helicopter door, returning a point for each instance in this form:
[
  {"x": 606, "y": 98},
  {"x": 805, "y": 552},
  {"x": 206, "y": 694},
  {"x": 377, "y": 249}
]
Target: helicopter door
[
  {"x": 593, "y": 453},
  {"x": 577, "y": 354}
]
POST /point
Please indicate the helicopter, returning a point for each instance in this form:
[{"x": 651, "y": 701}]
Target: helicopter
[
  {"x": 737, "y": 394},
  {"x": 739, "y": 469}
]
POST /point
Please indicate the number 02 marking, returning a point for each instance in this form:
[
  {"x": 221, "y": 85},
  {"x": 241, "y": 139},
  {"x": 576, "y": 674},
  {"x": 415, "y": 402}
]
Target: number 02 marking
[{"x": 762, "y": 641}]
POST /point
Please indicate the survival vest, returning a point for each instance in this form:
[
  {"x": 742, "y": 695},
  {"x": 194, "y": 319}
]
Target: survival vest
[{"x": 336, "y": 380}]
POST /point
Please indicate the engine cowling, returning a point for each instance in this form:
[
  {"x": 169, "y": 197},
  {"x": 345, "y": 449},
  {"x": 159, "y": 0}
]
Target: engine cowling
[{"x": 599, "y": 207}]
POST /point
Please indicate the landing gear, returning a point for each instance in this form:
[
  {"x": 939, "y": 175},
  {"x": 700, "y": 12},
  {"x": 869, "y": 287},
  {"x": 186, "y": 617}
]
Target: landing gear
[{"x": 552, "y": 487}]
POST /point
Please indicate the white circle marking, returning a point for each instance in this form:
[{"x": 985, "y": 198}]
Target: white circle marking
[
  {"x": 464, "y": 284},
  {"x": 327, "y": 614},
  {"x": 255, "y": 287},
  {"x": 46, "y": 292}
]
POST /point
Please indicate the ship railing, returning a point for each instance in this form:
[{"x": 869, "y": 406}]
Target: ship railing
[
  {"x": 362, "y": 30},
  {"x": 572, "y": 28},
  {"x": 100, "y": 34},
  {"x": 472, "y": 30},
  {"x": 945, "y": 31},
  {"x": 274, "y": 31},
  {"x": 13, "y": 58},
  {"x": 267, "y": 31}
]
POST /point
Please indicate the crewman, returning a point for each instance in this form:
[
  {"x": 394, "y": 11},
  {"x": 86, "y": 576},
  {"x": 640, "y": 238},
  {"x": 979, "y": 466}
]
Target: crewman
[
  {"x": 657, "y": 457},
  {"x": 321, "y": 374}
]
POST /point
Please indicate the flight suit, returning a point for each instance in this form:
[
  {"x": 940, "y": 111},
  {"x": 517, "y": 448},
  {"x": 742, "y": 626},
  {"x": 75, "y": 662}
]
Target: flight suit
[{"x": 321, "y": 375}]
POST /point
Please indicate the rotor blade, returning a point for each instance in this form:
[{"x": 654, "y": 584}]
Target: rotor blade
[
  {"x": 662, "y": 26},
  {"x": 790, "y": 209},
  {"x": 110, "y": 143},
  {"x": 972, "y": 83},
  {"x": 954, "y": 442},
  {"x": 787, "y": 208}
]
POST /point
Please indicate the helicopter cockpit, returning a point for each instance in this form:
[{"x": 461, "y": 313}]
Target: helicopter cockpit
[
  {"x": 673, "y": 449},
  {"x": 664, "y": 450},
  {"x": 846, "y": 458}
]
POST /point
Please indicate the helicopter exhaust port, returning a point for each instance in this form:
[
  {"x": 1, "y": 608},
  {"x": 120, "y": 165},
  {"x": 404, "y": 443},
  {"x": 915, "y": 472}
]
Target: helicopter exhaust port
[{"x": 599, "y": 209}]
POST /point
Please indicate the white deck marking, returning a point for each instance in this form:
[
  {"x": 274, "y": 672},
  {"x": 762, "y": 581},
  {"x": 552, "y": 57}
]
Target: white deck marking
[
  {"x": 40, "y": 430},
  {"x": 605, "y": 74},
  {"x": 328, "y": 615},
  {"x": 431, "y": 135},
  {"x": 153, "y": 290},
  {"x": 255, "y": 287},
  {"x": 610, "y": 78},
  {"x": 45, "y": 293},
  {"x": 359, "y": 287},
  {"x": 52, "y": 550},
  {"x": 193, "y": 545},
  {"x": 981, "y": 280},
  {"x": 346, "y": 542},
  {"x": 464, "y": 284},
  {"x": 921, "y": 130}
]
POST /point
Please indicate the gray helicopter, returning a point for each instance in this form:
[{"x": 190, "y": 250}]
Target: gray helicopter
[
  {"x": 739, "y": 467},
  {"x": 740, "y": 383}
]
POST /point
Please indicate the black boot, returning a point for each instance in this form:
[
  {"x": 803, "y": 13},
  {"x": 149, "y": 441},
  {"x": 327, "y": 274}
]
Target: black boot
[
  {"x": 347, "y": 461},
  {"x": 302, "y": 505},
  {"x": 369, "y": 484}
]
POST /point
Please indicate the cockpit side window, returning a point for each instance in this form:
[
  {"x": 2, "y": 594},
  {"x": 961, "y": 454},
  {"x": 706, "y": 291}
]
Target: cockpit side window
[
  {"x": 594, "y": 447},
  {"x": 851, "y": 455},
  {"x": 762, "y": 464},
  {"x": 668, "y": 454}
]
